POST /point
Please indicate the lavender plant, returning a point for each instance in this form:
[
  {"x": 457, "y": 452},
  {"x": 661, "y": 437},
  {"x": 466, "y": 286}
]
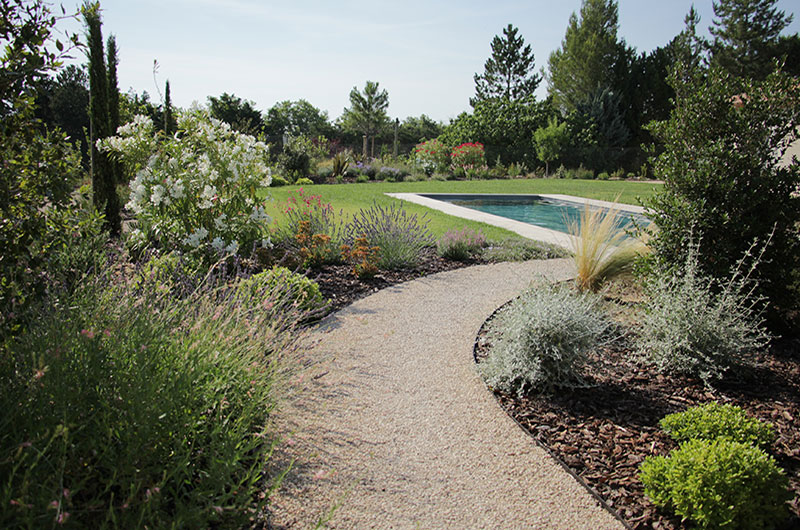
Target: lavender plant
[{"x": 400, "y": 236}]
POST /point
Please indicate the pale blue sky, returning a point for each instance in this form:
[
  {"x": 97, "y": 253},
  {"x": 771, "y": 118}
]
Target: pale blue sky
[{"x": 423, "y": 52}]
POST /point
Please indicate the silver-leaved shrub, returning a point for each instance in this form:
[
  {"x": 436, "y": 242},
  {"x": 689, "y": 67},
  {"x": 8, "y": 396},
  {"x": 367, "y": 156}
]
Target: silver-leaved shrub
[
  {"x": 698, "y": 326},
  {"x": 195, "y": 190},
  {"x": 542, "y": 341}
]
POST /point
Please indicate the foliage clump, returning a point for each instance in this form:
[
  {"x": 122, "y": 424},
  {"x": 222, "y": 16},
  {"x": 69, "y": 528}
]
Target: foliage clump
[
  {"x": 698, "y": 326},
  {"x": 724, "y": 179},
  {"x": 541, "y": 342},
  {"x": 310, "y": 233},
  {"x": 718, "y": 484},
  {"x": 714, "y": 421},
  {"x": 282, "y": 289},
  {"x": 196, "y": 190},
  {"x": 399, "y": 235},
  {"x": 461, "y": 245}
]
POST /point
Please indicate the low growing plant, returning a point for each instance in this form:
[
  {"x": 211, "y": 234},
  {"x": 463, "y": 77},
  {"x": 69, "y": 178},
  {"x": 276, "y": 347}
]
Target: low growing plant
[
  {"x": 514, "y": 249},
  {"x": 542, "y": 340},
  {"x": 282, "y": 288},
  {"x": 461, "y": 245},
  {"x": 129, "y": 407},
  {"x": 699, "y": 326},
  {"x": 714, "y": 421},
  {"x": 309, "y": 232},
  {"x": 363, "y": 257},
  {"x": 600, "y": 248},
  {"x": 718, "y": 484},
  {"x": 400, "y": 236}
]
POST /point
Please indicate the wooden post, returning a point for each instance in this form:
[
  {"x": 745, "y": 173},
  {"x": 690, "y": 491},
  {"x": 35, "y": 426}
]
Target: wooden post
[
  {"x": 364, "y": 149},
  {"x": 373, "y": 147}
]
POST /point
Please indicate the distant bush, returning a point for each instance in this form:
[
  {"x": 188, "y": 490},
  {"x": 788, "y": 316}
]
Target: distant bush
[
  {"x": 461, "y": 245},
  {"x": 522, "y": 250},
  {"x": 432, "y": 156},
  {"x": 400, "y": 236},
  {"x": 718, "y": 484},
  {"x": 278, "y": 181},
  {"x": 468, "y": 156},
  {"x": 295, "y": 158},
  {"x": 361, "y": 178},
  {"x": 541, "y": 341},
  {"x": 304, "y": 182},
  {"x": 713, "y": 421},
  {"x": 697, "y": 326}
]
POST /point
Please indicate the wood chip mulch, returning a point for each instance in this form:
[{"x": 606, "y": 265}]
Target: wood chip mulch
[{"x": 604, "y": 432}]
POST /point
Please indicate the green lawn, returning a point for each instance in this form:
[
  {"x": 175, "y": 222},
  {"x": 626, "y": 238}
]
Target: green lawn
[{"x": 349, "y": 198}]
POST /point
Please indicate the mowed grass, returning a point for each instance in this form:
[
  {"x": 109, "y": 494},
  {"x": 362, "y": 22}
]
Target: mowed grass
[{"x": 349, "y": 198}]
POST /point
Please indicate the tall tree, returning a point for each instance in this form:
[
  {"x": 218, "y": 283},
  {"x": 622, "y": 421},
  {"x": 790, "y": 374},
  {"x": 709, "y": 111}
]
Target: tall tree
[
  {"x": 168, "y": 128},
  {"x": 103, "y": 182},
  {"x": 297, "y": 118},
  {"x": 367, "y": 112},
  {"x": 113, "y": 101},
  {"x": 745, "y": 36},
  {"x": 586, "y": 61},
  {"x": 508, "y": 73},
  {"x": 239, "y": 113}
]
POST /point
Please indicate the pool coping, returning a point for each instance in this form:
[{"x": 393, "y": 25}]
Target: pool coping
[{"x": 524, "y": 229}]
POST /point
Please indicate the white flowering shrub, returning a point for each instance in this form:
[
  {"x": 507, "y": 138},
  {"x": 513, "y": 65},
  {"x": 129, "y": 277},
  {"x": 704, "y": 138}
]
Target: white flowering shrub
[{"x": 196, "y": 190}]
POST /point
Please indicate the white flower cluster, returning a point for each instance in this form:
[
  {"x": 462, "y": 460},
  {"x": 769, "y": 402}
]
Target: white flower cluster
[{"x": 197, "y": 189}]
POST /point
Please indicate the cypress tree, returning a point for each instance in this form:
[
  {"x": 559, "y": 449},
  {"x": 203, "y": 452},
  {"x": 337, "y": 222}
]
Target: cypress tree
[
  {"x": 167, "y": 110},
  {"x": 507, "y": 73},
  {"x": 113, "y": 100},
  {"x": 103, "y": 182}
]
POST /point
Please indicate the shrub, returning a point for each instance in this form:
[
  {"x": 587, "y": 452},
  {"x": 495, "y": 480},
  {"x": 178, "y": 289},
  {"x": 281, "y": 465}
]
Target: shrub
[
  {"x": 363, "y": 257},
  {"x": 718, "y": 484},
  {"x": 542, "y": 340},
  {"x": 389, "y": 174},
  {"x": 724, "y": 178},
  {"x": 400, "y": 236},
  {"x": 195, "y": 191},
  {"x": 295, "y": 159},
  {"x": 517, "y": 170},
  {"x": 468, "y": 156},
  {"x": 698, "y": 326},
  {"x": 304, "y": 182},
  {"x": 362, "y": 178},
  {"x": 432, "y": 156},
  {"x": 341, "y": 161},
  {"x": 522, "y": 250},
  {"x": 713, "y": 421},
  {"x": 281, "y": 287},
  {"x": 125, "y": 407},
  {"x": 278, "y": 181},
  {"x": 310, "y": 231},
  {"x": 600, "y": 248},
  {"x": 461, "y": 245}
]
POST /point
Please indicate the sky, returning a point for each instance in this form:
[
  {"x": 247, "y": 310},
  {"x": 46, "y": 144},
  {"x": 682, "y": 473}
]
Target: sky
[{"x": 423, "y": 52}]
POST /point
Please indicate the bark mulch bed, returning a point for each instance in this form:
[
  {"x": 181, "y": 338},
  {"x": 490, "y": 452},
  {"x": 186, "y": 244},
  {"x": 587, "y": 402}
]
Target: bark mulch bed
[
  {"x": 339, "y": 285},
  {"x": 604, "y": 432}
]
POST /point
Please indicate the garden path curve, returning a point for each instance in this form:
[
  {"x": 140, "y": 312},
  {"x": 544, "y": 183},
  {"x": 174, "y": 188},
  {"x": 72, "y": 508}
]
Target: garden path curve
[{"x": 392, "y": 427}]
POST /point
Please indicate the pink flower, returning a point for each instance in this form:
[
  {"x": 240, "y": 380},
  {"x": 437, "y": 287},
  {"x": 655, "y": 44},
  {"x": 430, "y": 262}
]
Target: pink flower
[
  {"x": 62, "y": 517},
  {"x": 88, "y": 333}
]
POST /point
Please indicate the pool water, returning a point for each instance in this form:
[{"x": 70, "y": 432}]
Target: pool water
[{"x": 539, "y": 211}]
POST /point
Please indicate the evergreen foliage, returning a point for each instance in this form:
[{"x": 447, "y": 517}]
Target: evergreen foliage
[
  {"x": 745, "y": 35},
  {"x": 507, "y": 73},
  {"x": 103, "y": 182},
  {"x": 367, "y": 111},
  {"x": 168, "y": 119},
  {"x": 585, "y": 62},
  {"x": 551, "y": 142},
  {"x": 240, "y": 114},
  {"x": 297, "y": 118},
  {"x": 724, "y": 181}
]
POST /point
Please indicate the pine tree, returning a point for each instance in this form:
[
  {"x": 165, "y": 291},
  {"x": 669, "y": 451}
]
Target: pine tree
[
  {"x": 586, "y": 62},
  {"x": 745, "y": 35},
  {"x": 103, "y": 183},
  {"x": 167, "y": 110},
  {"x": 507, "y": 73},
  {"x": 367, "y": 112}
]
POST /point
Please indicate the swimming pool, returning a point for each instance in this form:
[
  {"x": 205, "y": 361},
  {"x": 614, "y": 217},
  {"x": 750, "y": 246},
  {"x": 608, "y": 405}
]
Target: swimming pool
[{"x": 545, "y": 212}]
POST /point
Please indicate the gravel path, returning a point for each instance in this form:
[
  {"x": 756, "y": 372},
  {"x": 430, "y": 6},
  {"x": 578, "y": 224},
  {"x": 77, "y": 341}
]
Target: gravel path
[{"x": 394, "y": 429}]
